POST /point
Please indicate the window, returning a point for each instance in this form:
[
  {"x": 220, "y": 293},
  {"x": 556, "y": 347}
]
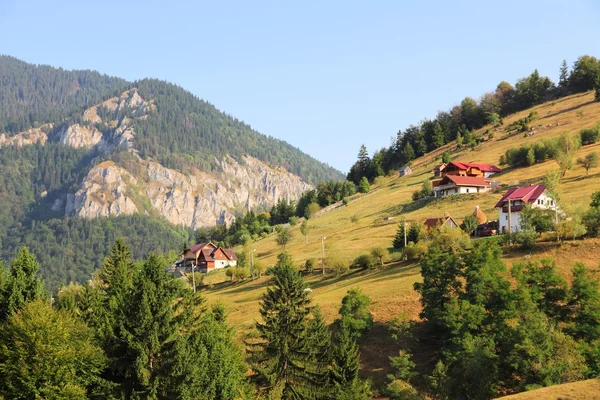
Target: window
[
  {"x": 507, "y": 217},
  {"x": 467, "y": 190}
]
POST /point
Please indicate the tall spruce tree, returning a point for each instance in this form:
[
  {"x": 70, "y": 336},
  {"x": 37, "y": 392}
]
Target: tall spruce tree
[
  {"x": 283, "y": 355},
  {"x": 344, "y": 379},
  {"x": 22, "y": 284},
  {"x": 563, "y": 79},
  {"x": 398, "y": 242}
]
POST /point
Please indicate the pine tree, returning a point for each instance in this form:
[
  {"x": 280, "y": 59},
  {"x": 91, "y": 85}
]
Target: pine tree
[
  {"x": 399, "y": 238},
  {"x": 363, "y": 158},
  {"x": 438, "y": 135},
  {"x": 563, "y": 80},
  {"x": 282, "y": 356},
  {"x": 344, "y": 379},
  {"x": 149, "y": 327},
  {"x": 320, "y": 348},
  {"x": 408, "y": 153},
  {"x": 22, "y": 285}
]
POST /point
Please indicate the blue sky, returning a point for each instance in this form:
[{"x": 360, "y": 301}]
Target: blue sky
[{"x": 324, "y": 76}]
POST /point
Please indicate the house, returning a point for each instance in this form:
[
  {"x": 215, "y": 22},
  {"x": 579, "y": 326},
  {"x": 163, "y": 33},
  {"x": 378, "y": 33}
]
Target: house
[
  {"x": 438, "y": 170},
  {"x": 207, "y": 257},
  {"x": 446, "y": 221},
  {"x": 515, "y": 200},
  {"x": 469, "y": 169},
  {"x": 457, "y": 184},
  {"x": 405, "y": 170}
]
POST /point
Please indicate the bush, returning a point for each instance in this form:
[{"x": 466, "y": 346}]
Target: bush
[
  {"x": 424, "y": 192},
  {"x": 526, "y": 239},
  {"x": 311, "y": 210},
  {"x": 469, "y": 224},
  {"x": 365, "y": 261},
  {"x": 310, "y": 264},
  {"x": 345, "y": 200},
  {"x": 414, "y": 251},
  {"x": 354, "y": 218},
  {"x": 590, "y": 135},
  {"x": 591, "y": 220},
  {"x": 294, "y": 221},
  {"x": 337, "y": 265},
  {"x": 380, "y": 253},
  {"x": 380, "y": 180},
  {"x": 572, "y": 229},
  {"x": 401, "y": 390},
  {"x": 240, "y": 273},
  {"x": 363, "y": 186},
  {"x": 446, "y": 157}
]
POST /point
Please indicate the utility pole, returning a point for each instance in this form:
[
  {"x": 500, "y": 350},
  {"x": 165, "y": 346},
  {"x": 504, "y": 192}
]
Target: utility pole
[
  {"x": 323, "y": 253},
  {"x": 405, "y": 238},
  {"x": 509, "y": 222},
  {"x": 193, "y": 277},
  {"x": 252, "y": 261}
]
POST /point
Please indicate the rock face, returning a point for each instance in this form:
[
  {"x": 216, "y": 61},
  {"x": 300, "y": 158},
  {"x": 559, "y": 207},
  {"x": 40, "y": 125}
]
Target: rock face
[
  {"x": 30, "y": 136},
  {"x": 196, "y": 200},
  {"x": 103, "y": 193}
]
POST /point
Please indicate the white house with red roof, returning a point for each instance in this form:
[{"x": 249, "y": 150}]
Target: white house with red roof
[
  {"x": 461, "y": 178},
  {"x": 456, "y": 184},
  {"x": 514, "y": 201},
  {"x": 206, "y": 257}
]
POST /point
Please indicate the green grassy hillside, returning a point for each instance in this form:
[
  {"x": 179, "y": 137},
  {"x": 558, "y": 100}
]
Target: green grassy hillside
[{"x": 376, "y": 216}]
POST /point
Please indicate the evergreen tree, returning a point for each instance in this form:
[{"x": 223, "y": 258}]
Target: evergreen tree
[
  {"x": 398, "y": 242},
  {"x": 408, "y": 153},
  {"x": 282, "y": 356},
  {"x": 363, "y": 186},
  {"x": 563, "y": 80},
  {"x": 459, "y": 139},
  {"x": 346, "y": 384},
  {"x": 22, "y": 285},
  {"x": 438, "y": 135}
]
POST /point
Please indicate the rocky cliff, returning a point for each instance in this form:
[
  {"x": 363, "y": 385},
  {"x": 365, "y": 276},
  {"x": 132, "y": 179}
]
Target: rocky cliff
[{"x": 198, "y": 199}]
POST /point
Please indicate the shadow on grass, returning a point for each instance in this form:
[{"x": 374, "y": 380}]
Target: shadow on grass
[{"x": 569, "y": 109}]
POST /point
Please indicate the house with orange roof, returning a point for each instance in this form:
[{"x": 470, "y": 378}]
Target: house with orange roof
[{"x": 206, "y": 257}]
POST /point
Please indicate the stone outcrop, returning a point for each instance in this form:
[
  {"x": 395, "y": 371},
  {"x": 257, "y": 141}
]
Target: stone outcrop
[
  {"x": 79, "y": 136},
  {"x": 194, "y": 200},
  {"x": 30, "y": 136},
  {"x": 103, "y": 193}
]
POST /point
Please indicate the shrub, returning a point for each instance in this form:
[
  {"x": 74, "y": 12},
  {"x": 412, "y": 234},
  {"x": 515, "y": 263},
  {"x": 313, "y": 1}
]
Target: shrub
[
  {"x": 424, "y": 192},
  {"x": 401, "y": 390},
  {"x": 310, "y": 264},
  {"x": 591, "y": 220},
  {"x": 363, "y": 186},
  {"x": 337, "y": 265},
  {"x": 590, "y": 135},
  {"x": 446, "y": 157},
  {"x": 354, "y": 218},
  {"x": 414, "y": 251},
  {"x": 294, "y": 220},
  {"x": 404, "y": 367},
  {"x": 469, "y": 224},
  {"x": 311, "y": 210},
  {"x": 572, "y": 229},
  {"x": 365, "y": 261},
  {"x": 240, "y": 273},
  {"x": 379, "y": 181},
  {"x": 526, "y": 239},
  {"x": 380, "y": 253},
  {"x": 345, "y": 200}
]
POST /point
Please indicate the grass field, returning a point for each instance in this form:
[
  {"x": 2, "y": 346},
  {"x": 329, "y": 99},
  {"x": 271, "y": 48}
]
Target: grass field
[
  {"x": 583, "y": 390},
  {"x": 376, "y": 217}
]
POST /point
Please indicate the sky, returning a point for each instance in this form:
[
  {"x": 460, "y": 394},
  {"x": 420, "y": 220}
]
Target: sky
[{"x": 325, "y": 76}]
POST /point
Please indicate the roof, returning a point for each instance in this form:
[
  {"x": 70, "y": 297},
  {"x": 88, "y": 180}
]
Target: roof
[
  {"x": 463, "y": 181},
  {"x": 405, "y": 167},
  {"x": 482, "y": 167},
  {"x": 197, "y": 247},
  {"x": 435, "y": 222},
  {"x": 439, "y": 167},
  {"x": 230, "y": 254},
  {"x": 527, "y": 194}
]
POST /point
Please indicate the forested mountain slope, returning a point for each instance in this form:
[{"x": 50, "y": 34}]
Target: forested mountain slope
[{"x": 146, "y": 154}]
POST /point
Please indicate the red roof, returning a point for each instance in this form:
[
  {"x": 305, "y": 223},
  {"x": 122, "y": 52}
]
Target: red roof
[
  {"x": 463, "y": 181},
  {"x": 435, "y": 222},
  {"x": 528, "y": 194},
  {"x": 481, "y": 167},
  {"x": 197, "y": 247},
  {"x": 485, "y": 167},
  {"x": 230, "y": 254}
]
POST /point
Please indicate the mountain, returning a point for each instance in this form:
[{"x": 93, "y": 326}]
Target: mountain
[{"x": 81, "y": 145}]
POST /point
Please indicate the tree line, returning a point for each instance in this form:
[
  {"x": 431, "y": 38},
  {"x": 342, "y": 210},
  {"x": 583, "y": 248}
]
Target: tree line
[
  {"x": 458, "y": 123},
  {"x": 136, "y": 332}
]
